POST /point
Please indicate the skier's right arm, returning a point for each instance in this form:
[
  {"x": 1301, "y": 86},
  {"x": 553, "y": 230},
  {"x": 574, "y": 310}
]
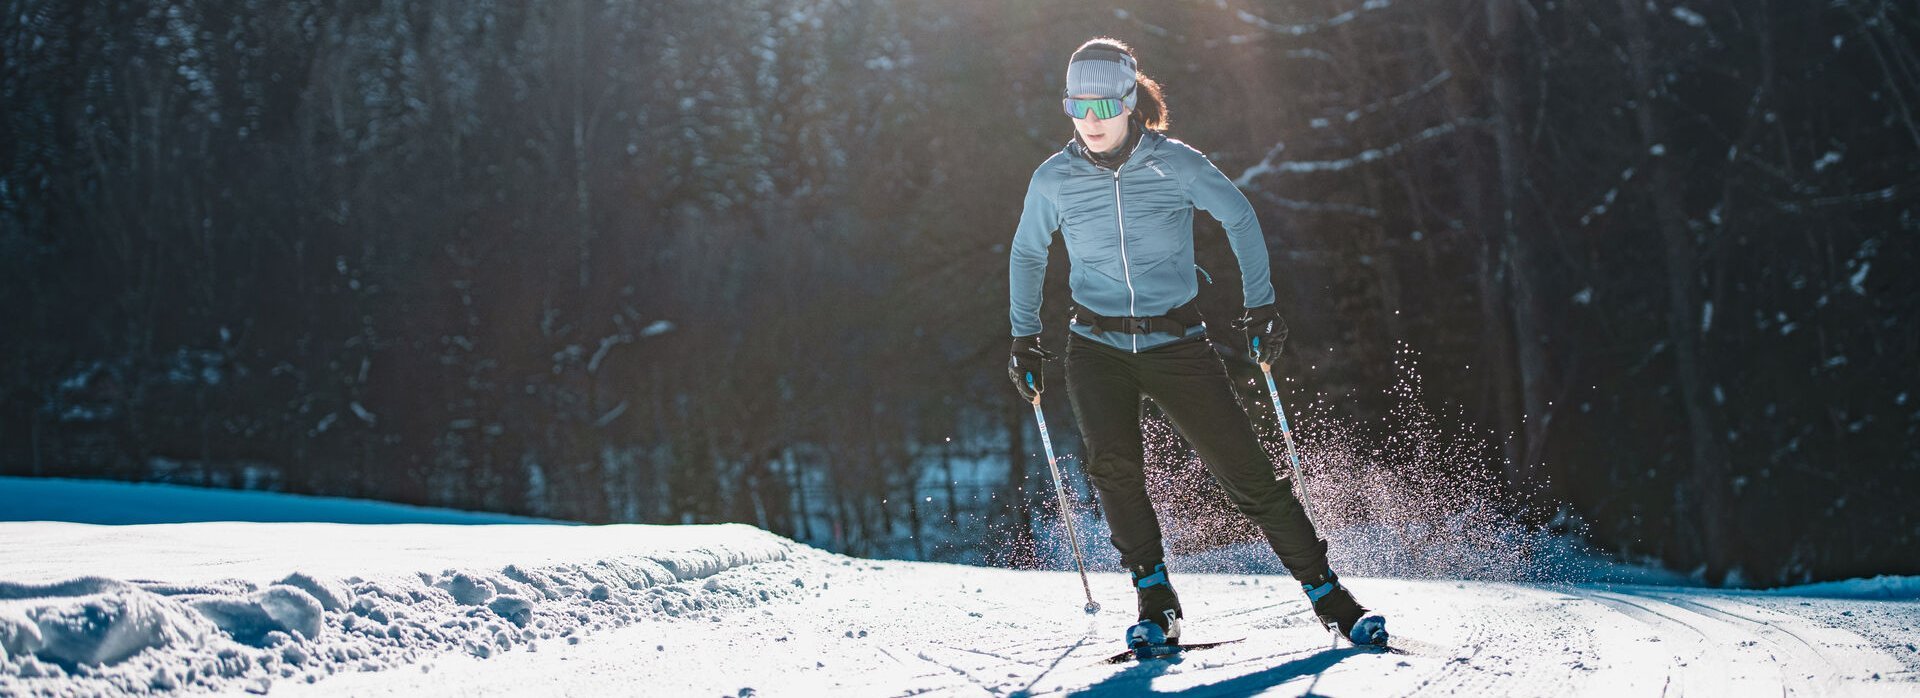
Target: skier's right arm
[{"x": 1027, "y": 264}]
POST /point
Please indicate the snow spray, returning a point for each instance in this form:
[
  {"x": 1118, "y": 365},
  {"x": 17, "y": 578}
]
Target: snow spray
[{"x": 1410, "y": 494}]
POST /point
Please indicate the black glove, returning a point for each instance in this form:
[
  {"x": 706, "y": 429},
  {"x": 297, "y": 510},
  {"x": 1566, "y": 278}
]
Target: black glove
[
  {"x": 1266, "y": 333},
  {"x": 1023, "y": 366}
]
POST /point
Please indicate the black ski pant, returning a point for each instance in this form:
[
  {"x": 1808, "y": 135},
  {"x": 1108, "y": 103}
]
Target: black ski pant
[{"x": 1189, "y": 382}]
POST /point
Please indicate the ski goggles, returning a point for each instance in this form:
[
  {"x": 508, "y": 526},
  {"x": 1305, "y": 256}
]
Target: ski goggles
[{"x": 1102, "y": 108}]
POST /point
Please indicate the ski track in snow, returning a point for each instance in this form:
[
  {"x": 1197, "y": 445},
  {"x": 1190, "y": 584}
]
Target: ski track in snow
[
  {"x": 326, "y": 610},
  {"x": 912, "y": 629}
]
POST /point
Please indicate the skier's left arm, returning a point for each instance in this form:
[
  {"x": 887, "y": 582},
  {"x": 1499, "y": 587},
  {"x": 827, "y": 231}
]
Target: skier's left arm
[
  {"x": 1027, "y": 256},
  {"x": 1210, "y": 190}
]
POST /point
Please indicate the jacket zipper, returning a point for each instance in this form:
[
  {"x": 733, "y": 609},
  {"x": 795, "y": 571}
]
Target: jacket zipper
[
  {"x": 1120, "y": 218},
  {"x": 1126, "y": 268}
]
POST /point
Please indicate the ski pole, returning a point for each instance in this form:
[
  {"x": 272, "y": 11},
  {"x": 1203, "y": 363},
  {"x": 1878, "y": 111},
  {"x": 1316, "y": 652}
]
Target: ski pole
[
  {"x": 1066, "y": 511},
  {"x": 1286, "y": 433}
]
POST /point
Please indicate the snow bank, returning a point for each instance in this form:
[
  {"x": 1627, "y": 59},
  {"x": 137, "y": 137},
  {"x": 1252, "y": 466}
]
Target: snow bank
[
  {"x": 237, "y": 606},
  {"x": 91, "y": 621},
  {"x": 1887, "y": 587}
]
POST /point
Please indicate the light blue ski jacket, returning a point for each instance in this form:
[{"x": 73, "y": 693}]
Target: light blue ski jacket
[{"x": 1129, "y": 235}]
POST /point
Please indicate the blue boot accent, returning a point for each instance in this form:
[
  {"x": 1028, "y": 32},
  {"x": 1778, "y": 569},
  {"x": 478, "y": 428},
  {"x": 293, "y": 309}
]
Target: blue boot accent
[
  {"x": 1148, "y": 640},
  {"x": 1315, "y": 593},
  {"x": 1158, "y": 603},
  {"x": 1369, "y": 631},
  {"x": 1146, "y": 633},
  {"x": 1158, "y": 577}
]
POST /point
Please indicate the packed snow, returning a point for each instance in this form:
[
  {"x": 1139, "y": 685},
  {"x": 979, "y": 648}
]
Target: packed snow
[{"x": 404, "y": 609}]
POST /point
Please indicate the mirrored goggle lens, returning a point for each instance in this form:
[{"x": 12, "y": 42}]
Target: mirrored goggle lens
[{"x": 1100, "y": 108}]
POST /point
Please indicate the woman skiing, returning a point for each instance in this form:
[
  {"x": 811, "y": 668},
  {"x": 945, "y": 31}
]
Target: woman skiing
[{"x": 1122, "y": 194}]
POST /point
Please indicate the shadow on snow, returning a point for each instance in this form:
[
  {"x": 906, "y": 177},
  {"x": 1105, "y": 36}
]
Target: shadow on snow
[{"x": 1136, "y": 680}]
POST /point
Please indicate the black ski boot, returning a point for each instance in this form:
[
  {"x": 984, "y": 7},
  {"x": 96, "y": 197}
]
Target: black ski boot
[
  {"x": 1160, "y": 614},
  {"x": 1335, "y": 606}
]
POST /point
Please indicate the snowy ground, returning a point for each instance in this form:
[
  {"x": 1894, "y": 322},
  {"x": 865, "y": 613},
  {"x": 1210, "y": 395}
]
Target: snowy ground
[{"x": 454, "y": 610}]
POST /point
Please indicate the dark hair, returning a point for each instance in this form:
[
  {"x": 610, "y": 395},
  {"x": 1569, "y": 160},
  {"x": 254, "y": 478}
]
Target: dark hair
[{"x": 1150, "y": 109}]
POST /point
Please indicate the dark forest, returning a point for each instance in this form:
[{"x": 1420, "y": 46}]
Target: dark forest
[{"x": 685, "y": 262}]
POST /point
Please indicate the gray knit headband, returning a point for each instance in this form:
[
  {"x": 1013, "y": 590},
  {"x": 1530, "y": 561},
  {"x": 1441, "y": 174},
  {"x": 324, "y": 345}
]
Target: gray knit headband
[{"x": 1102, "y": 71}]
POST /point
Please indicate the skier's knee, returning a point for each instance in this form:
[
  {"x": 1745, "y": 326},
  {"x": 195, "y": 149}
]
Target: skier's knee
[
  {"x": 1113, "y": 468},
  {"x": 1262, "y": 496}
]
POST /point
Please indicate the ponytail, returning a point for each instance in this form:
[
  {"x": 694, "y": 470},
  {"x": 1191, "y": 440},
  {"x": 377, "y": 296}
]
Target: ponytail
[{"x": 1150, "y": 110}]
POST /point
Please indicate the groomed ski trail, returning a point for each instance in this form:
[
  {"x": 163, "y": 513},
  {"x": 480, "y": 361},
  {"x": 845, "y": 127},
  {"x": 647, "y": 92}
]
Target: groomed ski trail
[
  {"x": 919, "y": 629},
  {"x": 308, "y": 609}
]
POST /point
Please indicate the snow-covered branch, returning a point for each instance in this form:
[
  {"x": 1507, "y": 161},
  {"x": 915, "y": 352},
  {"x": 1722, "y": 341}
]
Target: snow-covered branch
[
  {"x": 1394, "y": 101},
  {"x": 1370, "y": 155},
  {"x": 1313, "y": 26},
  {"x": 1320, "y": 206}
]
